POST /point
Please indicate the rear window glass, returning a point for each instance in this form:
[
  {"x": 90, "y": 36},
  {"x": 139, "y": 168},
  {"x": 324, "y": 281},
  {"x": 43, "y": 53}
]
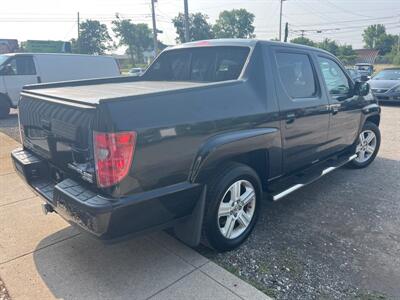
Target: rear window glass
[{"x": 203, "y": 64}]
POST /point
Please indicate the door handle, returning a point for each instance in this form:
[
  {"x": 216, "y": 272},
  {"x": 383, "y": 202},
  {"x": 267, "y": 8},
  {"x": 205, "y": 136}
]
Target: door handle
[
  {"x": 334, "y": 108},
  {"x": 290, "y": 118},
  {"x": 39, "y": 80}
]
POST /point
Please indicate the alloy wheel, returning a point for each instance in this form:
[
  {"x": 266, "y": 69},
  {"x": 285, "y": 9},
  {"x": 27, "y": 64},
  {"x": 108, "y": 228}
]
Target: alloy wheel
[
  {"x": 236, "y": 209},
  {"x": 366, "y": 146}
]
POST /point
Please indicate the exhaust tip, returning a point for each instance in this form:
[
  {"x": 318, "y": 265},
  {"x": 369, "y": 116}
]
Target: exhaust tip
[{"x": 47, "y": 208}]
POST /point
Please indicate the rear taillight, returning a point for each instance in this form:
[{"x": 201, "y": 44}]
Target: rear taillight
[{"x": 113, "y": 155}]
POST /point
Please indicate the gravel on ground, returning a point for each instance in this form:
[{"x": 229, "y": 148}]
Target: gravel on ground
[{"x": 3, "y": 291}]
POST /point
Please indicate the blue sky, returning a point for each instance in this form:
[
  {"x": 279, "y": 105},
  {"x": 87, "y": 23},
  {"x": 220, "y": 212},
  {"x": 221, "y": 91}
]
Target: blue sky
[{"x": 342, "y": 20}]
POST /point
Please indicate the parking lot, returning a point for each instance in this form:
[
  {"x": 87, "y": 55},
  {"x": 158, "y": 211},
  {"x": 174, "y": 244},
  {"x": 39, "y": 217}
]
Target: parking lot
[{"x": 335, "y": 239}]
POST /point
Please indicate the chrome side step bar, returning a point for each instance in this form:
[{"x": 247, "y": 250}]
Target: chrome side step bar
[{"x": 300, "y": 185}]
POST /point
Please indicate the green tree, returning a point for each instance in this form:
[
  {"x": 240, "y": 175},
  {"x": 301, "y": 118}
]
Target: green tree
[
  {"x": 237, "y": 23},
  {"x": 346, "y": 54},
  {"x": 375, "y": 37},
  {"x": 303, "y": 41},
  {"x": 93, "y": 38},
  {"x": 372, "y": 34},
  {"x": 199, "y": 28},
  {"x": 136, "y": 37},
  {"x": 386, "y": 43},
  {"x": 330, "y": 46}
]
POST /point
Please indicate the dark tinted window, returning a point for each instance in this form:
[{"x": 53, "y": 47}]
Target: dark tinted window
[
  {"x": 296, "y": 74},
  {"x": 334, "y": 77},
  {"x": 204, "y": 64},
  {"x": 22, "y": 65}
]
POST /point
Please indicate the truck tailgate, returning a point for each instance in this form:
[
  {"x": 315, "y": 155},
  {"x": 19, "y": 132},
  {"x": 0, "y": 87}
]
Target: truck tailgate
[{"x": 59, "y": 132}]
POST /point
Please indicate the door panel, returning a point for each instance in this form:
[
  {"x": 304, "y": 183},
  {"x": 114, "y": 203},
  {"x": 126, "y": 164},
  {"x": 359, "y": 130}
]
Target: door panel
[
  {"x": 303, "y": 111},
  {"x": 345, "y": 108}
]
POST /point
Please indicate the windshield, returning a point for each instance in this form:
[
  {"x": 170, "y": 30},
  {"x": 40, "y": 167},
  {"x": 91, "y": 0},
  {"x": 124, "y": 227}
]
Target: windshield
[
  {"x": 201, "y": 64},
  {"x": 388, "y": 75},
  {"x": 3, "y": 58}
]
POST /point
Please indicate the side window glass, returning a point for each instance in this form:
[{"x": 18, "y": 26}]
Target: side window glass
[
  {"x": 13, "y": 64},
  {"x": 22, "y": 65},
  {"x": 335, "y": 79},
  {"x": 296, "y": 74}
]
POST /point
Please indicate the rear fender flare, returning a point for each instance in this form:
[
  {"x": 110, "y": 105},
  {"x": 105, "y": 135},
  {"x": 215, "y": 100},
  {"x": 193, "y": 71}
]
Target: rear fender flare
[{"x": 228, "y": 145}]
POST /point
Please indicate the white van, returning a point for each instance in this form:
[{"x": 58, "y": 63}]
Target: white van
[{"x": 19, "y": 69}]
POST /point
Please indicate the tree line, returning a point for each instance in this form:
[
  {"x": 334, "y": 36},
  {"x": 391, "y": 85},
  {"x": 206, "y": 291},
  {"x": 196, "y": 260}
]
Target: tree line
[{"x": 94, "y": 37}]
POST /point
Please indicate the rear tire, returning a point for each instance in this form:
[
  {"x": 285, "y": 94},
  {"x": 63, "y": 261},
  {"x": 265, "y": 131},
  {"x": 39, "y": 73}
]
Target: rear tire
[
  {"x": 4, "y": 107},
  {"x": 367, "y": 146},
  {"x": 232, "y": 206}
]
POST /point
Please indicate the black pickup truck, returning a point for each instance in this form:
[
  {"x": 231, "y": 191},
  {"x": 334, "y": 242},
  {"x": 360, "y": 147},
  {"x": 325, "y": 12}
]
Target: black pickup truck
[{"x": 196, "y": 141}]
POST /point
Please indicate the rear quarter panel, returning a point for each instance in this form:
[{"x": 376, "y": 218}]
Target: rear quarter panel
[{"x": 174, "y": 126}]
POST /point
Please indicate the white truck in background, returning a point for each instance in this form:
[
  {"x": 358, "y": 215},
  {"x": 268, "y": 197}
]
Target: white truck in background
[{"x": 20, "y": 69}]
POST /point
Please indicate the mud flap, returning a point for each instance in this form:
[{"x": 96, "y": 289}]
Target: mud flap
[{"x": 189, "y": 231}]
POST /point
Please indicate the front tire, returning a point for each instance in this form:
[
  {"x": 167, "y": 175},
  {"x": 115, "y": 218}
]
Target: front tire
[
  {"x": 233, "y": 205},
  {"x": 367, "y": 146}
]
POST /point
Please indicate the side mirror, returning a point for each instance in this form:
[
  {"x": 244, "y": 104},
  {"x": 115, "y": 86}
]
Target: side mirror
[{"x": 361, "y": 88}]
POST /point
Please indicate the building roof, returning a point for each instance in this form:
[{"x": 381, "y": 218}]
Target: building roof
[{"x": 366, "y": 55}]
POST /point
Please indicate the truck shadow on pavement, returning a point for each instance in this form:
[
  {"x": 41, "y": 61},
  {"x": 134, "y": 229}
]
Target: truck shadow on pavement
[
  {"x": 82, "y": 267},
  {"x": 336, "y": 238}
]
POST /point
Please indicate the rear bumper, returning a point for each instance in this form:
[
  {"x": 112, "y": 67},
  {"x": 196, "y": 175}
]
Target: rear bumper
[{"x": 107, "y": 218}]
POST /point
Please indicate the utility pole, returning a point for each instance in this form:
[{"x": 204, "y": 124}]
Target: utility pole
[
  {"x": 286, "y": 32},
  {"x": 78, "y": 41},
  {"x": 153, "y": 13},
  {"x": 187, "y": 35},
  {"x": 280, "y": 21}
]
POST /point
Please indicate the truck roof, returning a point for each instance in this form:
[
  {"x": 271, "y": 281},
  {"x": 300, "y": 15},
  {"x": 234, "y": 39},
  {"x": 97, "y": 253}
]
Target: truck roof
[{"x": 244, "y": 43}]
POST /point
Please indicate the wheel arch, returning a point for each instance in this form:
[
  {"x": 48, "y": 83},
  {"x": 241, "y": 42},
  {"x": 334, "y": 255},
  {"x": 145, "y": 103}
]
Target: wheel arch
[
  {"x": 371, "y": 113},
  {"x": 376, "y": 119},
  {"x": 250, "y": 147}
]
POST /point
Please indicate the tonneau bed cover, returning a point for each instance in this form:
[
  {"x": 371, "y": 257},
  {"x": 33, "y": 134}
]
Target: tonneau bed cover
[{"x": 93, "y": 93}]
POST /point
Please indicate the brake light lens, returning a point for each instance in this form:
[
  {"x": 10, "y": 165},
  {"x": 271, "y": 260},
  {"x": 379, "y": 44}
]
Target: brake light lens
[{"x": 113, "y": 155}]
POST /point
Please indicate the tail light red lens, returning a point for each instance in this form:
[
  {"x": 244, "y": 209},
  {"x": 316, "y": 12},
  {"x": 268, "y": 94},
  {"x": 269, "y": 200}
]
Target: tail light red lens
[{"x": 113, "y": 155}]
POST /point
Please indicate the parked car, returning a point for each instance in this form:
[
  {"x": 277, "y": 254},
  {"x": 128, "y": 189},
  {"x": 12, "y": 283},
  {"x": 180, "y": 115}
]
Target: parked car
[
  {"x": 136, "y": 72},
  {"x": 196, "y": 140},
  {"x": 365, "y": 69},
  {"x": 19, "y": 69},
  {"x": 386, "y": 85}
]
